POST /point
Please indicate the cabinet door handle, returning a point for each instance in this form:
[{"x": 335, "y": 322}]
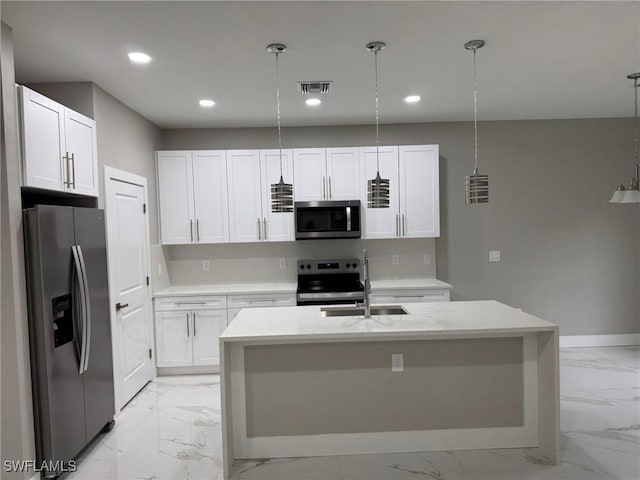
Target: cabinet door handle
[
  {"x": 188, "y": 325},
  {"x": 67, "y": 181},
  {"x": 194, "y": 324},
  {"x": 330, "y": 194},
  {"x": 264, "y": 223},
  {"x": 397, "y": 225},
  {"x": 404, "y": 226},
  {"x": 191, "y": 229},
  {"x": 197, "y": 230},
  {"x": 324, "y": 188},
  {"x": 73, "y": 169},
  {"x": 259, "y": 231}
]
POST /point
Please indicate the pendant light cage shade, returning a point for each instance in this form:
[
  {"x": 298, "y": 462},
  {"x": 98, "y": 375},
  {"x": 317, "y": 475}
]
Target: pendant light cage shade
[
  {"x": 281, "y": 192},
  {"x": 378, "y": 189},
  {"x": 631, "y": 194},
  {"x": 378, "y": 192},
  {"x": 476, "y": 186},
  {"x": 281, "y": 197}
]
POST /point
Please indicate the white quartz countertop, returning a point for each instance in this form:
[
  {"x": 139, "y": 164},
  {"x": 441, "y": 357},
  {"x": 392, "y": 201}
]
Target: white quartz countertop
[
  {"x": 438, "y": 320},
  {"x": 409, "y": 284},
  {"x": 223, "y": 289}
]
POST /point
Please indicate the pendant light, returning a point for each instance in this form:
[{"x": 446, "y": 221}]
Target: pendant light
[
  {"x": 631, "y": 194},
  {"x": 377, "y": 188},
  {"x": 281, "y": 192},
  {"x": 476, "y": 186}
]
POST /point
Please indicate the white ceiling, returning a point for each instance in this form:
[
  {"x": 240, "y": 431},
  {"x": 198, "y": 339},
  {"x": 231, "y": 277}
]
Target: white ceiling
[{"x": 542, "y": 59}]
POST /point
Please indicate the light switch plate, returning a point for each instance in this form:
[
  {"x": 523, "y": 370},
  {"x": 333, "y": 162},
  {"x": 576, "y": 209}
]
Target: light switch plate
[
  {"x": 395, "y": 259},
  {"x": 159, "y": 269},
  {"x": 494, "y": 255},
  {"x": 206, "y": 264},
  {"x": 397, "y": 362},
  {"x": 283, "y": 263},
  {"x": 427, "y": 258}
]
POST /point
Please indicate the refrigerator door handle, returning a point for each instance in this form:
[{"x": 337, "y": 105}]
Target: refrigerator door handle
[
  {"x": 87, "y": 308},
  {"x": 79, "y": 274}
]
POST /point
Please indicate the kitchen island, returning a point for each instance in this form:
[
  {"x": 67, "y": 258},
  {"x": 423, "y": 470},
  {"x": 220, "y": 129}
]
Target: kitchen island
[{"x": 444, "y": 376}]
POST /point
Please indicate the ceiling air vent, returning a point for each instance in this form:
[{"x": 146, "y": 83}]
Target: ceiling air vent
[{"x": 314, "y": 87}]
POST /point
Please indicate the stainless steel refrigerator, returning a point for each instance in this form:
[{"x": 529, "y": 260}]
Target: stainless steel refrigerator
[{"x": 69, "y": 329}]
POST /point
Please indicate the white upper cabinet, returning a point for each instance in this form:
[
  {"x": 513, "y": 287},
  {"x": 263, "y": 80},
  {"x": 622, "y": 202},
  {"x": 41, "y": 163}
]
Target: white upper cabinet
[
  {"x": 309, "y": 174},
  {"x": 277, "y": 227},
  {"x": 192, "y": 197},
  {"x": 245, "y": 196},
  {"x": 210, "y": 196},
  {"x": 175, "y": 197},
  {"x": 414, "y": 206},
  {"x": 326, "y": 174},
  {"x": 59, "y": 146},
  {"x": 381, "y": 222},
  {"x": 419, "y": 191},
  {"x": 343, "y": 174},
  {"x": 80, "y": 150}
]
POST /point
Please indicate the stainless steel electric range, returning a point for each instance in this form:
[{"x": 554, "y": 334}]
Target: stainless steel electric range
[{"x": 329, "y": 282}]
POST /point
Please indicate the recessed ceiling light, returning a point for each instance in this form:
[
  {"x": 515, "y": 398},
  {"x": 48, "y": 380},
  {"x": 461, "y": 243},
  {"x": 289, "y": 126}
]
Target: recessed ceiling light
[
  {"x": 207, "y": 103},
  {"x": 313, "y": 102},
  {"x": 412, "y": 99},
  {"x": 139, "y": 57}
]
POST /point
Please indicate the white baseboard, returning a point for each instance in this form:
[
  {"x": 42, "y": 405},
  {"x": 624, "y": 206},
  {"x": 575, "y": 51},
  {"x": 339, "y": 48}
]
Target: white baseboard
[
  {"x": 194, "y": 370},
  {"x": 571, "y": 341}
]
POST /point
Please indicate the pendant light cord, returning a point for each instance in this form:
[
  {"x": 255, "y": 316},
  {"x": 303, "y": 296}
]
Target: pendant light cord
[
  {"x": 375, "y": 56},
  {"x": 635, "y": 141},
  {"x": 278, "y": 105},
  {"x": 475, "y": 110}
]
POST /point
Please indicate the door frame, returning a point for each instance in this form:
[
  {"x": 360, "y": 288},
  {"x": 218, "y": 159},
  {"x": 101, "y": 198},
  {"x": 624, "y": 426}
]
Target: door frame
[{"x": 111, "y": 173}]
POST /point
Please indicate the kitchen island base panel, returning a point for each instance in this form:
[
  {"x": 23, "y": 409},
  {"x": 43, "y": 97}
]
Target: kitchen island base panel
[{"x": 539, "y": 429}]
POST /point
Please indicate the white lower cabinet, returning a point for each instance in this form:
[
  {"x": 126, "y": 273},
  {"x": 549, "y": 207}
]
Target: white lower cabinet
[
  {"x": 257, "y": 300},
  {"x": 187, "y": 330},
  {"x": 207, "y": 327},
  {"x": 410, "y": 296}
]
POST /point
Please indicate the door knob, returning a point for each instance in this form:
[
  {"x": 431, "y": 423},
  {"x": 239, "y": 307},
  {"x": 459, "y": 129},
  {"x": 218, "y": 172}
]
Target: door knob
[{"x": 120, "y": 306}]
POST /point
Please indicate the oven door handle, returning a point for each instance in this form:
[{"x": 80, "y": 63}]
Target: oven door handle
[{"x": 348, "y": 218}]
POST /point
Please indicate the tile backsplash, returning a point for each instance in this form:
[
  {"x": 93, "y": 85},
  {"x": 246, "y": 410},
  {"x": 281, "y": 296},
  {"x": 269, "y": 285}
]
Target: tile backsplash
[{"x": 261, "y": 262}]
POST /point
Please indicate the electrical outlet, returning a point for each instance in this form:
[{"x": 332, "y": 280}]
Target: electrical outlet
[
  {"x": 395, "y": 259},
  {"x": 397, "y": 362},
  {"x": 427, "y": 259},
  {"x": 206, "y": 264},
  {"x": 283, "y": 263},
  {"x": 159, "y": 269},
  {"x": 494, "y": 255}
]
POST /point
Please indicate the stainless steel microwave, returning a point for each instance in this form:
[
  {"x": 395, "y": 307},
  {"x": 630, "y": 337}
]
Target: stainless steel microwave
[{"x": 327, "y": 219}]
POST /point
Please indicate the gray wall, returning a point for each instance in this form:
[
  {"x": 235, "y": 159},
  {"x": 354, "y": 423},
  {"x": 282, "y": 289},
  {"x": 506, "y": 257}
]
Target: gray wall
[
  {"x": 17, "y": 420},
  {"x": 77, "y": 96},
  {"x": 127, "y": 140},
  {"x": 568, "y": 255}
]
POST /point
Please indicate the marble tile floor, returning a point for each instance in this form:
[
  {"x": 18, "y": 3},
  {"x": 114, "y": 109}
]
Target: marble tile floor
[{"x": 172, "y": 430}]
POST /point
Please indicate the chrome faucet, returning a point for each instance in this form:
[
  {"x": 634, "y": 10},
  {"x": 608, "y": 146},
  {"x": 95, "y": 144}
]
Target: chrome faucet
[{"x": 367, "y": 286}]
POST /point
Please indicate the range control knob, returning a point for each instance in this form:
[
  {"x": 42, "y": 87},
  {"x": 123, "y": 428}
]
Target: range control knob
[
  {"x": 301, "y": 267},
  {"x": 348, "y": 265},
  {"x": 308, "y": 267}
]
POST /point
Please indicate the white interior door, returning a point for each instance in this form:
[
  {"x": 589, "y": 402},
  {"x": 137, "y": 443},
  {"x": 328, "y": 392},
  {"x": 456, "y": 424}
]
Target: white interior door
[{"x": 128, "y": 253}]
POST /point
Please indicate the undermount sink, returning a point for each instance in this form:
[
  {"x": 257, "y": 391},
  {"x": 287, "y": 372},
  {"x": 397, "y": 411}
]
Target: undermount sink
[{"x": 359, "y": 311}]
